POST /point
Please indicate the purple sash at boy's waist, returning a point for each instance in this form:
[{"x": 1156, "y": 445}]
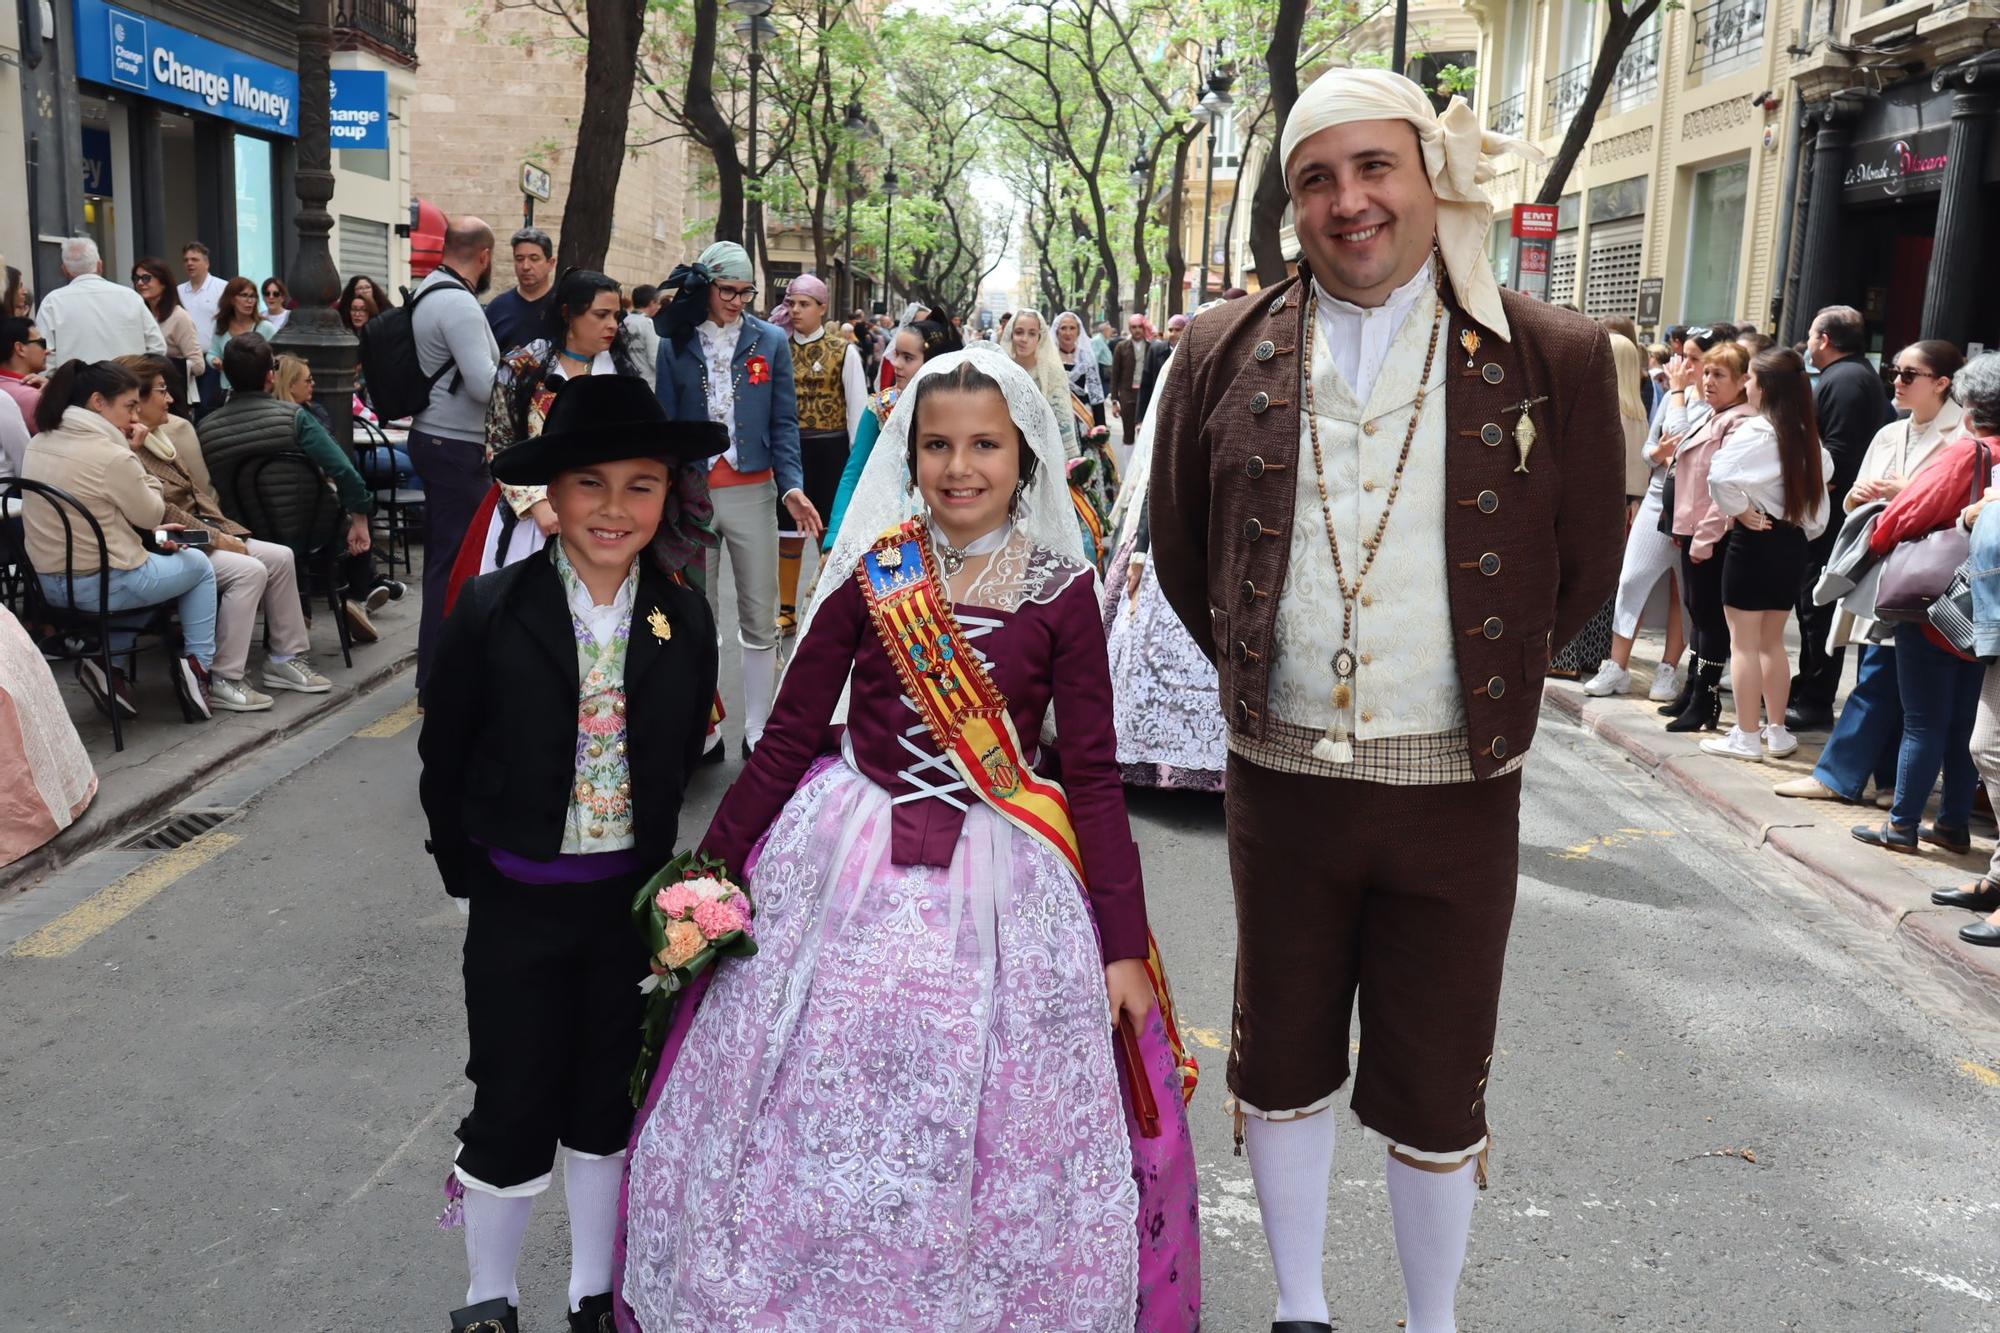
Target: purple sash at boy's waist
[{"x": 568, "y": 869}]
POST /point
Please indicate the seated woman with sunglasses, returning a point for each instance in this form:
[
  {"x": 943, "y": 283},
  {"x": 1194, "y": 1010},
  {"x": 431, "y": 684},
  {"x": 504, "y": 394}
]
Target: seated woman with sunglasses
[{"x": 1869, "y": 732}]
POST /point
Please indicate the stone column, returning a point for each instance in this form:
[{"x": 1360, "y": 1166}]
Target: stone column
[
  {"x": 316, "y": 331},
  {"x": 1819, "y": 267},
  {"x": 1961, "y": 238}
]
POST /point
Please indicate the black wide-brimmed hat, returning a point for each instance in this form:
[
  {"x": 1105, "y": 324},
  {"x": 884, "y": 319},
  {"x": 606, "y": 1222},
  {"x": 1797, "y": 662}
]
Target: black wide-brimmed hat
[{"x": 605, "y": 419}]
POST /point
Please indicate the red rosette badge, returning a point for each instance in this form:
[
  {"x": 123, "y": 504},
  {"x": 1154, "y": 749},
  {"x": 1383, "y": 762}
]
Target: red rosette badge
[{"x": 759, "y": 368}]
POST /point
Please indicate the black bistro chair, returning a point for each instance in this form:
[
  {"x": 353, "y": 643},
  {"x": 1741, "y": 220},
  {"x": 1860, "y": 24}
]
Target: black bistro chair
[
  {"x": 84, "y": 628},
  {"x": 375, "y": 456},
  {"x": 282, "y": 497}
]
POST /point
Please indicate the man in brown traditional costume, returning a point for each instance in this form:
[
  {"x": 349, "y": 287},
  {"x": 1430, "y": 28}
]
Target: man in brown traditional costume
[{"x": 1382, "y": 488}]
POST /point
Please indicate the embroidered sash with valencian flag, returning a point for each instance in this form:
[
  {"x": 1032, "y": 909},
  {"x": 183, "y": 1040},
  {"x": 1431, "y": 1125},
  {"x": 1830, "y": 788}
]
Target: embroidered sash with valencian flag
[{"x": 967, "y": 717}]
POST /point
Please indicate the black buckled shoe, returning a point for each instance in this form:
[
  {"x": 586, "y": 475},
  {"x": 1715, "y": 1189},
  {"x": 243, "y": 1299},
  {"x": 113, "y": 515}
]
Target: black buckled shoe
[
  {"x": 1890, "y": 836},
  {"x": 1983, "y": 896},
  {"x": 1957, "y": 841},
  {"x": 1300, "y": 1326},
  {"x": 494, "y": 1316},
  {"x": 1981, "y": 932},
  {"x": 594, "y": 1317}
]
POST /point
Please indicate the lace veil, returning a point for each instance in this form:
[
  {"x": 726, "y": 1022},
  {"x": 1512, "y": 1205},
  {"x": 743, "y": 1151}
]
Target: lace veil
[{"x": 886, "y": 495}]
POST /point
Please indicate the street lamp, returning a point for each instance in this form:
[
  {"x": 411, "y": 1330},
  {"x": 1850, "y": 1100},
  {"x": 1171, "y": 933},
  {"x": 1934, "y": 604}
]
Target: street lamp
[
  {"x": 1214, "y": 103},
  {"x": 889, "y": 183},
  {"x": 1142, "y": 178},
  {"x": 316, "y": 331},
  {"x": 859, "y": 126},
  {"x": 755, "y": 26}
]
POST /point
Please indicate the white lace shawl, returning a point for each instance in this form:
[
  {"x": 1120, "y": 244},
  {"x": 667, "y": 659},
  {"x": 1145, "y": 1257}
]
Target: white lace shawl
[{"x": 886, "y": 495}]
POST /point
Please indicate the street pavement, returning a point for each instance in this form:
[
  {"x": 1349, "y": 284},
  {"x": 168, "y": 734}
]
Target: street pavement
[{"x": 229, "y": 1079}]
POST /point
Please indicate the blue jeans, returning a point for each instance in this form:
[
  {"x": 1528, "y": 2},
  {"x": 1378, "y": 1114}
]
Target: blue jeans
[
  {"x": 1940, "y": 701},
  {"x": 1984, "y": 562},
  {"x": 383, "y": 468},
  {"x": 1868, "y": 736},
  {"x": 185, "y": 578}
]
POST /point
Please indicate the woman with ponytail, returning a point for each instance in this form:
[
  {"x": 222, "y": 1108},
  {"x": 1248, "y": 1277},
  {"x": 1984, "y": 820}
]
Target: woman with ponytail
[{"x": 88, "y": 417}]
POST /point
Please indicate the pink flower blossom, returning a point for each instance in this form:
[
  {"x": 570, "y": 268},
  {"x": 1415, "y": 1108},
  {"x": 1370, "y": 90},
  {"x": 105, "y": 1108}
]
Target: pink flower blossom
[
  {"x": 717, "y": 919},
  {"x": 676, "y": 900}
]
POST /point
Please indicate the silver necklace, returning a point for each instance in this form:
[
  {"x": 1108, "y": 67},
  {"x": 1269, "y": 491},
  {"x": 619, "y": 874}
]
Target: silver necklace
[{"x": 954, "y": 557}]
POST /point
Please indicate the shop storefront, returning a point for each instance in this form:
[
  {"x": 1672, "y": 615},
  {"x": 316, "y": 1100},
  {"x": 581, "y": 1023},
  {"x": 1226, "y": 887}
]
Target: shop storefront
[
  {"x": 1894, "y": 168},
  {"x": 202, "y": 129}
]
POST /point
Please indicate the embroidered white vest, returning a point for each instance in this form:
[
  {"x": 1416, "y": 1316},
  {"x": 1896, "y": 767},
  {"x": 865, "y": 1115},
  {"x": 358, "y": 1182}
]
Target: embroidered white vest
[{"x": 1406, "y": 674}]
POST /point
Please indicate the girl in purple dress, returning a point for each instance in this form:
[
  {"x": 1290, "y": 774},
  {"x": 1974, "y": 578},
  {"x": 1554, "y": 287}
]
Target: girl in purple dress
[{"x": 908, "y": 1111}]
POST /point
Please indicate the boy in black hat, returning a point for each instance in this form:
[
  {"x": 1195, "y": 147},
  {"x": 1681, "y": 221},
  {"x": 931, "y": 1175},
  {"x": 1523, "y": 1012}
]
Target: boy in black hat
[{"x": 569, "y": 698}]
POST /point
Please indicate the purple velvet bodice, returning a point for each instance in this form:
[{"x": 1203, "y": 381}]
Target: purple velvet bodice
[{"x": 1042, "y": 650}]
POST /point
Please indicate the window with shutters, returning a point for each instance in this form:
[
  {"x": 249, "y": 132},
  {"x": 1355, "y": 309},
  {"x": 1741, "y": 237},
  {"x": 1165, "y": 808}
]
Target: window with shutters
[
  {"x": 1562, "y": 268},
  {"x": 364, "y": 248},
  {"x": 1611, "y": 280}
]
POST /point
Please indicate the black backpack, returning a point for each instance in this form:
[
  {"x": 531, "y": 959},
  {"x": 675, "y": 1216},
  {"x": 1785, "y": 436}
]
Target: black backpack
[{"x": 397, "y": 385}]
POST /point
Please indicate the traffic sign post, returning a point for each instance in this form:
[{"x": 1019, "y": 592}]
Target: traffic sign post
[
  {"x": 1534, "y": 232},
  {"x": 536, "y": 183}
]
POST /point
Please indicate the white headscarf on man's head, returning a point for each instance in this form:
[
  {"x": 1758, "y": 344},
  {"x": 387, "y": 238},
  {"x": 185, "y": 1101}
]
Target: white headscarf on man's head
[
  {"x": 887, "y": 495},
  {"x": 1456, "y": 152}
]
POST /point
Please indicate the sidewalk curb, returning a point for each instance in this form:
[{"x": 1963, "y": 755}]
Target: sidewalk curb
[
  {"x": 61, "y": 851},
  {"x": 1851, "y": 877}
]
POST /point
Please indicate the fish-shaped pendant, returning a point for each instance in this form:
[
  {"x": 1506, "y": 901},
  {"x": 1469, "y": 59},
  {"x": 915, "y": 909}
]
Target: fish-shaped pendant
[{"x": 1524, "y": 429}]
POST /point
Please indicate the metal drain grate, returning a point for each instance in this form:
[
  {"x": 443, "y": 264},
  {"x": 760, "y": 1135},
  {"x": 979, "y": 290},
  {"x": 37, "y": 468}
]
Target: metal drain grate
[{"x": 180, "y": 830}]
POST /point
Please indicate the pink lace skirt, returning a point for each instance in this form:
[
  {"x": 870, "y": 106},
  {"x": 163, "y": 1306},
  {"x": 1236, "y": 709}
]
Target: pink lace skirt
[{"x": 904, "y": 1113}]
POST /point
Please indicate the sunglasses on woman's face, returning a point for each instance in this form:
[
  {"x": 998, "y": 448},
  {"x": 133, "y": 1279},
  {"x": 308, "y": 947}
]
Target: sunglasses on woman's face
[
  {"x": 143, "y": 279},
  {"x": 1910, "y": 374}
]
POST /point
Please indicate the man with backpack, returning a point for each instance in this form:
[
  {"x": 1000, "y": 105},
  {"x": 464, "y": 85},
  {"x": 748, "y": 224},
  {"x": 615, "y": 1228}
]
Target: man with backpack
[{"x": 453, "y": 365}]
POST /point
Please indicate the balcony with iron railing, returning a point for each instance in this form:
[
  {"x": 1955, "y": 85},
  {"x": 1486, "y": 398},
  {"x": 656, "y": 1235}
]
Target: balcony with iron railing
[
  {"x": 1509, "y": 115},
  {"x": 386, "y": 27},
  {"x": 1637, "y": 78},
  {"x": 1566, "y": 93},
  {"x": 1728, "y": 35}
]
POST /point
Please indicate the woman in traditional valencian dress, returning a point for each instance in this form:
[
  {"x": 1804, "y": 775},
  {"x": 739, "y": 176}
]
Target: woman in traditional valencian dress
[
  {"x": 1170, "y": 733},
  {"x": 910, "y": 1110}
]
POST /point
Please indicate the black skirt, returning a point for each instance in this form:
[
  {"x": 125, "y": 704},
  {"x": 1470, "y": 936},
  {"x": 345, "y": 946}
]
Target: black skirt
[{"x": 1761, "y": 571}]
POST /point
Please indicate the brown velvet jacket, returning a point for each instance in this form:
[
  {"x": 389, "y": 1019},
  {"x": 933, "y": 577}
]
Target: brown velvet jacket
[{"x": 1533, "y": 554}]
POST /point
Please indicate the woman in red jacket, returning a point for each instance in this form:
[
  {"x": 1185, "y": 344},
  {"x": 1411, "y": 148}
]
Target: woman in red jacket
[{"x": 1939, "y": 687}]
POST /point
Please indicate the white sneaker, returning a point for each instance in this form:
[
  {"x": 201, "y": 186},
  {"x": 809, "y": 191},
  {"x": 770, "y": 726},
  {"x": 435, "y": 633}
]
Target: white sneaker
[
  {"x": 1779, "y": 742},
  {"x": 297, "y": 674},
  {"x": 235, "y": 696},
  {"x": 1738, "y": 744},
  {"x": 1666, "y": 684},
  {"x": 1610, "y": 679}
]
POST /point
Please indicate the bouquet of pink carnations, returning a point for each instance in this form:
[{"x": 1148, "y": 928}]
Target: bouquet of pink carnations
[
  {"x": 1097, "y": 434},
  {"x": 690, "y": 914}
]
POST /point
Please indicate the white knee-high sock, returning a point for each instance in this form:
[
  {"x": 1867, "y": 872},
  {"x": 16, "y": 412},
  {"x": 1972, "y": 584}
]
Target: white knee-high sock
[
  {"x": 591, "y": 1186},
  {"x": 1432, "y": 1211},
  {"x": 494, "y": 1228},
  {"x": 1292, "y": 1164},
  {"x": 760, "y": 685}
]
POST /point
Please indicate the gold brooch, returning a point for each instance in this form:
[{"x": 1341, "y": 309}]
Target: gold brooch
[
  {"x": 1470, "y": 341},
  {"x": 657, "y": 622}
]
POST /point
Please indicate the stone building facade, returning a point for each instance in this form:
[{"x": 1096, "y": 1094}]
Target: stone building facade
[
  {"x": 502, "y": 88},
  {"x": 1682, "y": 178}
]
